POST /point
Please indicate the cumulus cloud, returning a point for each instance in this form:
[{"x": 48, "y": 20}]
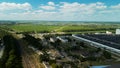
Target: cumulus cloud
[
  {"x": 60, "y": 11},
  {"x": 14, "y": 6},
  {"x": 113, "y": 9},
  {"x": 82, "y": 8},
  {"x": 48, "y": 7},
  {"x": 51, "y": 3},
  {"x": 116, "y": 6}
]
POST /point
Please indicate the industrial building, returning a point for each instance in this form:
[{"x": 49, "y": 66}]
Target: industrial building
[
  {"x": 117, "y": 31},
  {"x": 110, "y": 46}
]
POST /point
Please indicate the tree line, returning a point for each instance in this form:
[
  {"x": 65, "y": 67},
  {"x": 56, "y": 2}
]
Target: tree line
[
  {"x": 11, "y": 57},
  {"x": 87, "y": 29},
  {"x": 33, "y": 41}
]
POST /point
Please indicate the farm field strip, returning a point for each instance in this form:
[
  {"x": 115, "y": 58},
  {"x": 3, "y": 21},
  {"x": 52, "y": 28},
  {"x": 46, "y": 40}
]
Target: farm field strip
[
  {"x": 27, "y": 28},
  {"x": 62, "y": 28}
]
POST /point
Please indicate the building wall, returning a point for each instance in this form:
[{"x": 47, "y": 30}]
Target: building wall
[{"x": 117, "y": 31}]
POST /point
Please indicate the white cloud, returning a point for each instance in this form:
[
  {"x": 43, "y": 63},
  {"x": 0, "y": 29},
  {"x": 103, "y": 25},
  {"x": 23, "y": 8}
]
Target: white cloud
[
  {"x": 51, "y": 3},
  {"x": 82, "y": 8},
  {"x": 116, "y": 6},
  {"x": 38, "y": 11},
  {"x": 48, "y": 7},
  {"x": 113, "y": 9},
  {"x": 61, "y": 11},
  {"x": 14, "y": 6}
]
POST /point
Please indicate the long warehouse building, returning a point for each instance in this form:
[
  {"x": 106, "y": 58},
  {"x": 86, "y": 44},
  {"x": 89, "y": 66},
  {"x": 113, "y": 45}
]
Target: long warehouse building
[{"x": 112, "y": 47}]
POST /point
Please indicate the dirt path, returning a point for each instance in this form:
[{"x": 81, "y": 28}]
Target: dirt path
[
  {"x": 29, "y": 58},
  {"x": 62, "y": 27},
  {"x": 1, "y": 51}
]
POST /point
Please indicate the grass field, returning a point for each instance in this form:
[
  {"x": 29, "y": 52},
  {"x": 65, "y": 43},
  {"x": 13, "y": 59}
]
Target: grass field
[
  {"x": 2, "y": 32},
  {"x": 62, "y": 28},
  {"x": 31, "y": 28}
]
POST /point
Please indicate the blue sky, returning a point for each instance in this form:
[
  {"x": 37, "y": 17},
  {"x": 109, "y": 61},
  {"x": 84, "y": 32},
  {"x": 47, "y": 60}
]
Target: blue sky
[{"x": 60, "y": 10}]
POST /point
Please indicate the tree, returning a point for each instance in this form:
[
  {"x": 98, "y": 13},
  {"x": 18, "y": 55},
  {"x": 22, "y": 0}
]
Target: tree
[
  {"x": 44, "y": 57},
  {"x": 11, "y": 56},
  {"x": 54, "y": 65},
  {"x": 107, "y": 55}
]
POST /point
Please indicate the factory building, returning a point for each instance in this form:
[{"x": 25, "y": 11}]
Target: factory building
[
  {"x": 96, "y": 44},
  {"x": 117, "y": 31}
]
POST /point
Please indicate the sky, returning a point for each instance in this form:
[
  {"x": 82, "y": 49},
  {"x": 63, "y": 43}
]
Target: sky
[{"x": 60, "y": 10}]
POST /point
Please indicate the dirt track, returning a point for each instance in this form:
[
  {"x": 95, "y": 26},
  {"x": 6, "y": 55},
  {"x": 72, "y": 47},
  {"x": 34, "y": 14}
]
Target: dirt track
[{"x": 29, "y": 58}]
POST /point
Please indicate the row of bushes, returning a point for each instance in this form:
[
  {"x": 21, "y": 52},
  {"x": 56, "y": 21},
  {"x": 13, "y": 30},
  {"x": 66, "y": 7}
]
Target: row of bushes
[
  {"x": 2, "y": 33},
  {"x": 12, "y": 55},
  {"x": 81, "y": 30},
  {"x": 33, "y": 41}
]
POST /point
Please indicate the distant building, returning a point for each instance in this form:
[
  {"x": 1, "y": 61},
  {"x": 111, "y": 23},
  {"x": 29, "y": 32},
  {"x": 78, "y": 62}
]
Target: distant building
[
  {"x": 62, "y": 39},
  {"x": 117, "y": 31},
  {"x": 108, "y": 32},
  {"x": 53, "y": 39},
  {"x": 97, "y": 33}
]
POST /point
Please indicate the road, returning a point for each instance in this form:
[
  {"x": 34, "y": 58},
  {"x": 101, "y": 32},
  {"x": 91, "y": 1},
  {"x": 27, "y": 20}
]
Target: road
[
  {"x": 29, "y": 58},
  {"x": 1, "y": 51}
]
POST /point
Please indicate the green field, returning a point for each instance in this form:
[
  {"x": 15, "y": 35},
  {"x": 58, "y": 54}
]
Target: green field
[
  {"x": 2, "y": 32},
  {"x": 62, "y": 28},
  {"x": 31, "y": 28}
]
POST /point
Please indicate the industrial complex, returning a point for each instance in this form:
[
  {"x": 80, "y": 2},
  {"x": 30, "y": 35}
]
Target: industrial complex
[{"x": 104, "y": 41}]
